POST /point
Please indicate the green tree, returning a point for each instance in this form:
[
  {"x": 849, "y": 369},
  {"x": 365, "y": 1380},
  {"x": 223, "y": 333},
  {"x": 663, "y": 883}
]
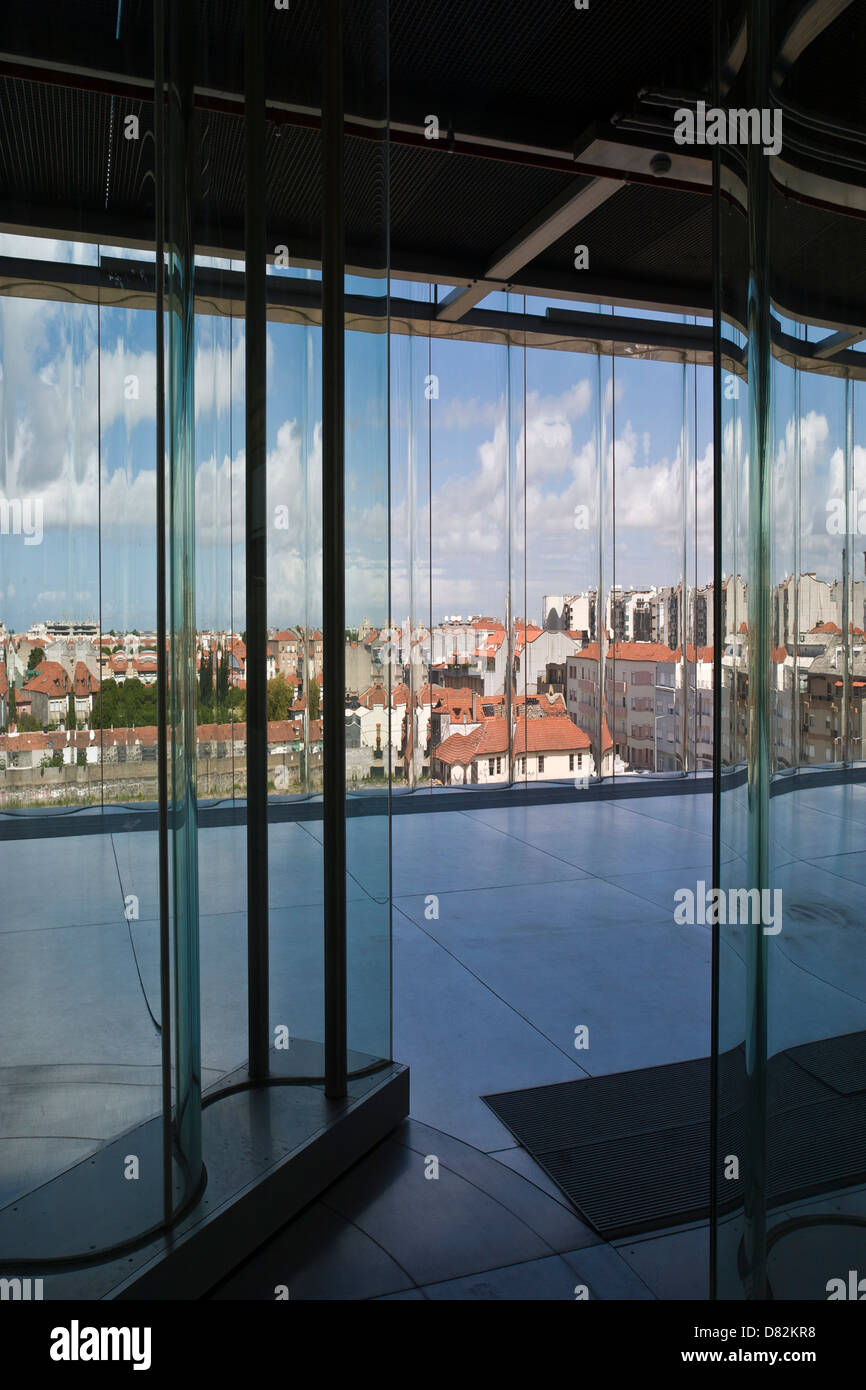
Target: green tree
[
  {"x": 106, "y": 706},
  {"x": 36, "y": 658},
  {"x": 279, "y": 698},
  {"x": 71, "y": 721},
  {"x": 205, "y": 678},
  {"x": 315, "y": 698},
  {"x": 235, "y": 708},
  {"x": 12, "y": 704},
  {"x": 222, "y": 680},
  {"x": 137, "y": 704}
]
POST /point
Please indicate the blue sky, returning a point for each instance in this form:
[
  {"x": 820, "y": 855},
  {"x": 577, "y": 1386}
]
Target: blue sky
[{"x": 99, "y": 535}]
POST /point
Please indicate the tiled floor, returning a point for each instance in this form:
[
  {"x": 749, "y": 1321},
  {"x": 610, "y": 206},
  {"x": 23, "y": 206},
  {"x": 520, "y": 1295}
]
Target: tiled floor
[{"x": 511, "y": 928}]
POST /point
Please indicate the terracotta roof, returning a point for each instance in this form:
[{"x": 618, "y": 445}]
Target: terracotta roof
[
  {"x": 629, "y": 651},
  {"x": 548, "y": 736},
  {"x": 84, "y": 683},
  {"x": 463, "y": 748},
  {"x": 11, "y": 743},
  {"x": 703, "y": 653},
  {"x": 284, "y": 730},
  {"x": 50, "y": 679},
  {"x": 530, "y": 735},
  {"x": 542, "y": 704},
  {"x": 374, "y": 695}
]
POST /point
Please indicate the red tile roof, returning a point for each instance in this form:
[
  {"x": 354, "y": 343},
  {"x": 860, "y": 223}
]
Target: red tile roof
[
  {"x": 629, "y": 651},
  {"x": 84, "y": 683},
  {"x": 548, "y": 736},
  {"x": 374, "y": 695},
  {"x": 50, "y": 679},
  {"x": 530, "y": 736}
]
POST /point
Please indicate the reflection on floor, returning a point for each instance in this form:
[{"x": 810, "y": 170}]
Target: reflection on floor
[{"x": 513, "y": 929}]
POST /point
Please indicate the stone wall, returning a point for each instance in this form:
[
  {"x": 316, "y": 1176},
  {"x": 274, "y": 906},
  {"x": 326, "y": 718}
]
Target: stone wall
[{"x": 136, "y": 780}]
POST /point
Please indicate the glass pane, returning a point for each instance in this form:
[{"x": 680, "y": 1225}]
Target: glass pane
[
  {"x": 367, "y": 576},
  {"x": 80, "y": 1007},
  {"x": 791, "y": 990}
]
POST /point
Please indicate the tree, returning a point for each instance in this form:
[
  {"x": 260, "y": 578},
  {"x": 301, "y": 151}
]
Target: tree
[
  {"x": 315, "y": 697},
  {"x": 222, "y": 680},
  {"x": 125, "y": 706},
  {"x": 37, "y": 656},
  {"x": 205, "y": 678},
  {"x": 71, "y": 721},
  {"x": 279, "y": 698},
  {"x": 237, "y": 705},
  {"x": 13, "y": 709},
  {"x": 105, "y": 710}
]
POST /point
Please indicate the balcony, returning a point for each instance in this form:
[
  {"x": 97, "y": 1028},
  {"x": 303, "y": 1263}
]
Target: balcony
[{"x": 548, "y": 916}]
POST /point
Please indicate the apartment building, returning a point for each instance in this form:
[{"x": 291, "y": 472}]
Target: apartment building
[
  {"x": 831, "y": 727},
  {"x": 659, "y": 708}
]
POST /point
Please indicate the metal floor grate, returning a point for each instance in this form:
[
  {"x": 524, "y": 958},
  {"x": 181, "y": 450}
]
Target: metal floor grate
[{"x": 631, "y": 1151}]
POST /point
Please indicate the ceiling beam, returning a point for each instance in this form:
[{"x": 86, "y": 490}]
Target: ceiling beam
[
  {"x": 559, "y": 217},
  {"x": 837, "y": 342},
  {"x": 120, "y": 283},
  {"x": 810, "y": 23}
]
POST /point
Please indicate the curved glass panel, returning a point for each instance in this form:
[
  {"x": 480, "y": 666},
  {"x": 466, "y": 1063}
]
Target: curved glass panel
[{"x": 791, "y": 989}]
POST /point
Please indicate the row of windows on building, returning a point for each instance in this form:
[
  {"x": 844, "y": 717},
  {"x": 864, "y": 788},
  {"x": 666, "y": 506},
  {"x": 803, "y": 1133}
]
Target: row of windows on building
[{"x": 494, "y": 765}]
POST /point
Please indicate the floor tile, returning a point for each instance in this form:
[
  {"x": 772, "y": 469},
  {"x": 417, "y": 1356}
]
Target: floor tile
[
  {"x": 603, "y": 1271},
  {"x": 435, "y": 1229},
  {"x": 675, "y": 1265},
  {"x": 319, "y": 1255},
  {"x": 551, "y": 1217},
  {"x": 474, "y": 1045},
  {"x": 547, "y": 1280}
]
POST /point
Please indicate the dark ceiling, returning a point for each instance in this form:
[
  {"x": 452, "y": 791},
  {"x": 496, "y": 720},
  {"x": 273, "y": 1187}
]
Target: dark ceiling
[{"x": 539, "y": 82}]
